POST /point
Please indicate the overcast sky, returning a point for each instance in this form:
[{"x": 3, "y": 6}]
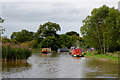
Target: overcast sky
[{"x": 29, "y": 15}]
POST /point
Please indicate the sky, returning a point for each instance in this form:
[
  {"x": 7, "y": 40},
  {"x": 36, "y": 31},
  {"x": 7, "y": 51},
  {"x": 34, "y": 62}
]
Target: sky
[{"x": 69, "y": 14}]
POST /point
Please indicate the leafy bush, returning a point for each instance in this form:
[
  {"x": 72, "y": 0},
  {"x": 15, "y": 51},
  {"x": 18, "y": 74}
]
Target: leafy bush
[{"x": 15, "y": 52}]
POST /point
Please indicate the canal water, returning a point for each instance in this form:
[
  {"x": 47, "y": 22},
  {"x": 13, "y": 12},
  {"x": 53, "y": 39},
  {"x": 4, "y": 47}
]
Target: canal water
[{"x": 60, "y": 65}]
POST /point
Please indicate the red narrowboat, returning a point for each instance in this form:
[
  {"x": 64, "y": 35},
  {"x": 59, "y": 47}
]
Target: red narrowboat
[{"x": 77, "y": 53}]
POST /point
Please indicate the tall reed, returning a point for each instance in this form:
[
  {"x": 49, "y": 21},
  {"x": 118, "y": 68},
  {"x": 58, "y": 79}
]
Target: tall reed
[{"x": 15, "y": 52}]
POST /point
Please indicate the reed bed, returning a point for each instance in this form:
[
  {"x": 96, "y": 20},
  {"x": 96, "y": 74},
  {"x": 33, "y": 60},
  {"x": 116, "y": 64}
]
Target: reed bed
[{"x": 15, "y": 52}]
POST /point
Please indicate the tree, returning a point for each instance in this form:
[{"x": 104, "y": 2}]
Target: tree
[
  {"x": 22, "y": 36},
  {"x": 47, "y": 29},
  {"x": 99, "y": 29},
  {"x": 113, "y": 30},
  {"x": 65, "y": 41},
  {"x": 77, "y": 41},
  {"x": 50, "y": 42},
  {"x": 71, "y": 33}
]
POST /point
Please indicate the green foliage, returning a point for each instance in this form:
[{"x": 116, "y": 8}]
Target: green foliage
[
  {"x": 46, "y": 36},
  {"x": 71, "y": 33},
  {"x": 47, "y": 29},
  {"x": 31, "y": 44},
  {"x": 113, "y": 30},
  {"x": 77, "y": 41},
  {"x": 101, "y": 30},
  {"x": 71, "y": 39},
  {"x": 50, "y": 42},
  {"x": 65, "y": 41},
  {"x": 61, "y": 42},
  {"x": 22, "y": 36},
  {"x": 15, "y": 52}
]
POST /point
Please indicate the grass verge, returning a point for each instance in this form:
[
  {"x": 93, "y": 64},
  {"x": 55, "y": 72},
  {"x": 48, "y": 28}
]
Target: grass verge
[{"x": 101, "y": 56}]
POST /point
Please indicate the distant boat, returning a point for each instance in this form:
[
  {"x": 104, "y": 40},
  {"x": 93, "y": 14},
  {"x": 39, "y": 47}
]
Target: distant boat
[
  {"x": 46, "y": 50},
  {"x": 77, "y": 53},
  {"x": 63, "y": 50}
]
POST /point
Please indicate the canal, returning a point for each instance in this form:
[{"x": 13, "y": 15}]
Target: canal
[{"x": 59, "y": 65}]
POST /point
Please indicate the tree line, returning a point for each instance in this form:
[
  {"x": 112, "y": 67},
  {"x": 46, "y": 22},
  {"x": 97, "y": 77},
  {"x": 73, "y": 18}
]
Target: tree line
[
  {"x": 45, "y": 37},
  {"x": 101, "y": 29}
]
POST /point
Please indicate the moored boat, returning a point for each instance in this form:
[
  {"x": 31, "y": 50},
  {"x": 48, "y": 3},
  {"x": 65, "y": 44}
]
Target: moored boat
[
  {"x": 63, "y": 49},
  {"x": 77, "y": 53},
  {"x": 46, "y": 50}
]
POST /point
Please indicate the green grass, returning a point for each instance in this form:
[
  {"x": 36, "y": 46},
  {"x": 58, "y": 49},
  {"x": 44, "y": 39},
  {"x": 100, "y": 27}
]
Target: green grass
[{"x": 101, "y": 56}]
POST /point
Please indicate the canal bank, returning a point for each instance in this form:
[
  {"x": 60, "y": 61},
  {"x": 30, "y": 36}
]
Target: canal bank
[{"x": 102, "y": 57}]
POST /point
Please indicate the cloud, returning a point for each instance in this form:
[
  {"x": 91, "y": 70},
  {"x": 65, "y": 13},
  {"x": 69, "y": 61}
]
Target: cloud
[
  {"x": 29, "y": 15},
  {"x": 32, "y": 12}
]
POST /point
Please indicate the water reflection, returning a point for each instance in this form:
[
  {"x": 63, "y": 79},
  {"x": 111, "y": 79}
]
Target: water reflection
[
  {"x": 77, "y": 58},
  {"x": 98, "y": 68},
  {"x": 59, "y": 65},
  {"x": 9, "y": 68}
]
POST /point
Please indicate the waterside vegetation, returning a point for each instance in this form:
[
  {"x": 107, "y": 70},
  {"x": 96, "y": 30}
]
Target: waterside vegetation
[
  {"x": 106, "y": 57},
  {"x": 15, "y": 52},
  {"x": 100, "y": 31}
]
